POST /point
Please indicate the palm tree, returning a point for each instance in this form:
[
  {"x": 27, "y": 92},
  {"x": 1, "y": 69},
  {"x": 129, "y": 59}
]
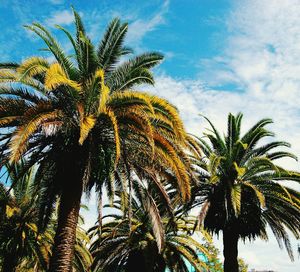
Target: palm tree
[
  {"x": 77, "y": 116},
  {"x": 23, "y": 247},
  {"x": 20, "y": 240},
  {"x": 124, "y": 247},
  {"x": 241, "y": 189}
]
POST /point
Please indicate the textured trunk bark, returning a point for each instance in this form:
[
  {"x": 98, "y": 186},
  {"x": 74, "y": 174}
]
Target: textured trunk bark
[
  {"x": 65, "y": 237},
  {"x": 230, "y": 251},
  {"x": 9, "y": 264}
]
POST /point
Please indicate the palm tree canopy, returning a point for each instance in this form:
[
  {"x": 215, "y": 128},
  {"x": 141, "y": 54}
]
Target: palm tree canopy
[
  {"x": 241, "y": 188},
  {"x": 76, "y": 114},
  {"x": 122, "y": 244}
]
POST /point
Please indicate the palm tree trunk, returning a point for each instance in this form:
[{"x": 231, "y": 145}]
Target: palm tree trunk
[
  {"x": 9, "y": 263},
  {"x": 65, "y": 237},
  {"x": 230, "y": 251}
]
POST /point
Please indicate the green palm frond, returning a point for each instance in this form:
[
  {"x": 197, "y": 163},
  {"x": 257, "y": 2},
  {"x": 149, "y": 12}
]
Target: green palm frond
[
  {"x": 111, "y": 46},
  {"x": 133, "y": 72}
]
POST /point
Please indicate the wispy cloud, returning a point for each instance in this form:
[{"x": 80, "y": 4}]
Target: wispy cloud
[
  {"x": 262, "y": 53},
  {"x": 63, "y": 17},
  {"x": 140, "y": 27}
]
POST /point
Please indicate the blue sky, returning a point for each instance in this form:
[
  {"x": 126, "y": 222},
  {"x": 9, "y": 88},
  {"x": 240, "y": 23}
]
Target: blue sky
[
  {"x": 220, "y": 56},
  {"x": 185, "y": 31}
]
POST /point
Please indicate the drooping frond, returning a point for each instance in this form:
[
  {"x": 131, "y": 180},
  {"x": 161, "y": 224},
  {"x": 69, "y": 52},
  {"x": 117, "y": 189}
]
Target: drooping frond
[
  {"x": 156, "y": 221},
  {"x": 165, "y": 109},
  {"x": 129, "y": 98},
  {"x": 33, "y": 66},
  {"x": 55, "y": 76},
  {"x": 115, "y": 125},
  {"x": 86, "y": 124},
  {"x": 19, "y": 142},
  {"x": 22, "y": 93},
  {"x": 171, "y": 159},
  {"x": 236, "y": 193}
]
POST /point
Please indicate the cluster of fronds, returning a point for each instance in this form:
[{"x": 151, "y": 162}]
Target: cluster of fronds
[{"x": 150, "y": 240}]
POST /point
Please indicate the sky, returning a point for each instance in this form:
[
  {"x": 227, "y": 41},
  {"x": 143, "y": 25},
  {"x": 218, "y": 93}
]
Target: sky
[{"x": 221, "y": 56}]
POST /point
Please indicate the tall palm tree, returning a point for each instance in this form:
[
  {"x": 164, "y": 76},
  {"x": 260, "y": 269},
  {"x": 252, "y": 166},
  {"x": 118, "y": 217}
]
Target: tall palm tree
[
  {"x": 241, "y": 189},
  {"x": 124, "y": 247},
  {"x": 77, "y": 115}
]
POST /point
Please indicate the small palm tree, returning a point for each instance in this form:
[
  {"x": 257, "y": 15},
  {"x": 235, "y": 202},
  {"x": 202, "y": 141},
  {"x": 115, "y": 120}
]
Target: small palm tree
[
  {"x": 150, "y": 242},
  {"x": 20, "y": 240},
  {"x": 241, "y": 189},
  {"x": 77, "y": 116},
  {"x": 23, "y": 247}
]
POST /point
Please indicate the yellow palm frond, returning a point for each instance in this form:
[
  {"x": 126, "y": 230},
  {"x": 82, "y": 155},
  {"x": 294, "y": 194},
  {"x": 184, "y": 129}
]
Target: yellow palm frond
[
  {"x": 86, "y": 124},
  {"x": 10, "y": 211},
  {"x": 7, "y": 75},
  {"x": 55, "y": 76},
  {"x": 100, "y": 74},
  {"x": 240, "y": 170},
  {"x": 119, "y": 100},
  {"x": 7, "y": 120},
  {"x": 163, "y": 107},
  {"x": 33, "y": 66},
  {"x": 103, "y": 97},
  {"x": 18, "y": 144},
  {"x": 236, "y": 193},
  {"x": 166, "y": 152},
  {"x": 104, "y": 91}
]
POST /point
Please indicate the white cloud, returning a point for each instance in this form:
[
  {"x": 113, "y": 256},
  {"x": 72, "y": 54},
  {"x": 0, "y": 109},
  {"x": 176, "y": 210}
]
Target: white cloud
[
  {"x": 261, "y": 53},
  {"x": 140, "y": 27},
  {"x": 63, "y": 17},
  {"x": 192, "y": 98}
]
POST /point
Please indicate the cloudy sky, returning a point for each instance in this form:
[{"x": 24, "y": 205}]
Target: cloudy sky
[{"x": 221, "y": 56}]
